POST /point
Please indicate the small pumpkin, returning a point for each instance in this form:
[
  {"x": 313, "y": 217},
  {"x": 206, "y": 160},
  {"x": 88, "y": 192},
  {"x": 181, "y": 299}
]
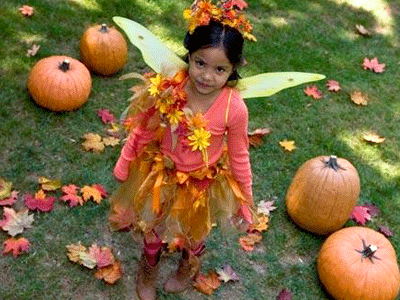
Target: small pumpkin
[
  {"x": 103, "y": 49},
  {"x": 359, "y": 263},
  {"x": 59, "y": 83},
  {"x": 322, "y": 194}
]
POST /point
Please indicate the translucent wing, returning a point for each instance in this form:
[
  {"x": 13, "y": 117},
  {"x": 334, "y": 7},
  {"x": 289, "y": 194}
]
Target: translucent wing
[
  {"x": 267, "y": 84},
  {"x": 156, "y": 55}
]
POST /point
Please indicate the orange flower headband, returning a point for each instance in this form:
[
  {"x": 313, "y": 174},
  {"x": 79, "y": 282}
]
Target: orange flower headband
[{"x": 228, "y": 12}]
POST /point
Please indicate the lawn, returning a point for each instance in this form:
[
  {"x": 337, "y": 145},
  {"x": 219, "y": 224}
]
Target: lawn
[{"x": 306, "y": 36}]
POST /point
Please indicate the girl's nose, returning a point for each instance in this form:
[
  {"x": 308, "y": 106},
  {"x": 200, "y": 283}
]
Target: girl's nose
[{"x": 207, "y": 74}]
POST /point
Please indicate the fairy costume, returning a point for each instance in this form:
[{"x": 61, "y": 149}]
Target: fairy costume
[{"x": 188, "y": 173}]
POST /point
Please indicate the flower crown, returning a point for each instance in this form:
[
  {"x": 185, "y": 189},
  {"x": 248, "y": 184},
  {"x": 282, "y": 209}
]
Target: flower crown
[{"x": 227, "y": 12}]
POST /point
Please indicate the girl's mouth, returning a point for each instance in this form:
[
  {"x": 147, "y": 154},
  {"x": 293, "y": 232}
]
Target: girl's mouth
[{"x": 203, "y": 85}]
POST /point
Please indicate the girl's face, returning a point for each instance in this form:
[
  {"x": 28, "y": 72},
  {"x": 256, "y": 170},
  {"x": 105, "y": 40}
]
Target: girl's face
[{"x": 209, "y": 70}]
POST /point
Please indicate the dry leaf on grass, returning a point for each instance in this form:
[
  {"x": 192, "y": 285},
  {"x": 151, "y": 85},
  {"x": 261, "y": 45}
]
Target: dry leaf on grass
[
  {"x": 39, "y": 201},
  {"x": 111, "y": 273},
  {"x": 15, "y": 222},
  {"x": 287, "y": 145},
  {"x": 227, "y": 274},
  {"x": 359, "y": 98},
  {"x": 372, "y": 137},
  {"x": 95, "y": 192},
  {"x": 49, "y": 184},
  {"x": 373, "y": 65},
  {"x": 111, "y": 141},
  {"x": 26, "y": 10},
  {"x": 333, "y": 86},
  {"x": 360, "y": 215},
  {"x": 33, "y": 51},
  {"x": 93, "y": 142},
  {"x": 71, "y": 195},
  {"x": 106, "y": 116},
  {"x": 16, "y": 246},
  {"x": 256, "y": 136},
  {"x": 10, "y": 200},
  {"x": 249, "y": 241},
  {"x": 207, "y": 284},
  {"x": 313, "y": 91},
  {"x": 362, "y": 30},
  {"x": 5, "y": 188}
]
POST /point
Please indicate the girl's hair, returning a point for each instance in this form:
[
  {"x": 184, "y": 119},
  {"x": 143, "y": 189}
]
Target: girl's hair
[{"x": 216, "y": 34}]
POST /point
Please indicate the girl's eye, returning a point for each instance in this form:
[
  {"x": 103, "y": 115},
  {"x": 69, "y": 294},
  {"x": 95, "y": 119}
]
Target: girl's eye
[
  {"x": 199, "y": 63},
  {"x": 220, "y": 70}
]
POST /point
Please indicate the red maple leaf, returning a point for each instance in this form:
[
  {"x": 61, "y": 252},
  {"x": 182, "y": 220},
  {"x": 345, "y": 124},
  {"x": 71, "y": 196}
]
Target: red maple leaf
[
  {"x": 372, "y": 209},
  {"x": 333, "y": 86},
  {"x": 313, "y": 91},
  {"x": 360, "y": 214},
  {"x": 40, "y": 202},
  {"x": 106, "y": 116},
  {"x": 101, "y": 189},
  {"x": 103, "y": 255},
  {"x": 285, "y": 294},
  {"x": 373, "y": 65},
  {"x": 71, "y": 195},
  {"x": 241, "y": 4},
  {"x": 16, "y": 246}
]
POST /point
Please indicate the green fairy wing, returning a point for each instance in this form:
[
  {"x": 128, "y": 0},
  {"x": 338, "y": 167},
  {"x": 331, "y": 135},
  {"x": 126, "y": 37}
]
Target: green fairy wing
[
  {"x": 267, "y": 84},
  {"x": 155, "y": 54},
  {"x": 162, "y": 60}
]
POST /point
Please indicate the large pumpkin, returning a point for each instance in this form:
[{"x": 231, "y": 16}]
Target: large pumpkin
[
  {"x": 323, "y": 193},
  {"x": 59, "y": 83},
  {"x": 359, "y": 263},
  {"x": 103, "y": 49}
]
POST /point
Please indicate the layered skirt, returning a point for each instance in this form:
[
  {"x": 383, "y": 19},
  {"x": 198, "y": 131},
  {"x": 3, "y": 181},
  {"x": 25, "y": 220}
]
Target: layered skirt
[{"x": 158, "y": 197}]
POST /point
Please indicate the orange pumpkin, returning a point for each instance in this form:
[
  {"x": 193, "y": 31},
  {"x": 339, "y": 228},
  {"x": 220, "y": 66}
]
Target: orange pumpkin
[
  {"x": 103, "y": 49},
  {"x": 59, "y": 83},
  {"x": 323, "y": 193},
  {"x": 359, "y": 263}
]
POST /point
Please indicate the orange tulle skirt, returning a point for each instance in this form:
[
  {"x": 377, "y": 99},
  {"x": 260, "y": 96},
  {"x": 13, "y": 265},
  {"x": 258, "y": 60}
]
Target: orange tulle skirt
[{"x": 175, "y": 204}]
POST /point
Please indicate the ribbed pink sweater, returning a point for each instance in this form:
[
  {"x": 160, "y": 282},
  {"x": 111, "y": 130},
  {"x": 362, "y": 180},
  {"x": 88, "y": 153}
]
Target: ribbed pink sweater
[{"x": 233, "y": 120}]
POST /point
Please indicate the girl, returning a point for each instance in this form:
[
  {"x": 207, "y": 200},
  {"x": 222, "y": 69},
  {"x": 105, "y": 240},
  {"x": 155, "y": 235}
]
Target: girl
[{"x": 186, "y": 162}]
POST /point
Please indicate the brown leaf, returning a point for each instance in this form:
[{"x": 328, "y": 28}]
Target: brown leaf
[
  {"x": 93, "y": 142},
  {"x": 33, "y": 51},
  {"x": 256, "y": 136},
  {"x": 372, "y": 137},
  {"x": 362, "y": 30},
  {"x": 249, "y": 241},
  {"x": 26, "y": 10},
  {"x": 207, "y": 284},
  {"x": 359, "y": 98}
]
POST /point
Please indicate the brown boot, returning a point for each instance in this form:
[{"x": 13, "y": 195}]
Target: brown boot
[
  {"x": 183, "y": 277},
  {"x": 146, "y": 280}
]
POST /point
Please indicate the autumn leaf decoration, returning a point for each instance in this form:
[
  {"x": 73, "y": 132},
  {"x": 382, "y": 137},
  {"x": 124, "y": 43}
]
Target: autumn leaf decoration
[
  {"x": 373, "y": 65},
  {"x": 95, "y": 257},
  {"x": 287, "y": 145},
  {"x": 27, "y": 11},
  {"x": 313, "y": 91}
]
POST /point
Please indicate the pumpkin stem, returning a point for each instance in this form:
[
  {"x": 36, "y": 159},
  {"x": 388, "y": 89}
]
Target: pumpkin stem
[
  {"x": 332, "y": 163},
  {"x": 368, "y": 251},
  {"x": 65, "y": 65},
  {"x": 104, "y": 28}
]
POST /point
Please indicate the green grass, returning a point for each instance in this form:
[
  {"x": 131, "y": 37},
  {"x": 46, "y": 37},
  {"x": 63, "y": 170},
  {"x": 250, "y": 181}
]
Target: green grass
[{"x": 309, "y": 36}]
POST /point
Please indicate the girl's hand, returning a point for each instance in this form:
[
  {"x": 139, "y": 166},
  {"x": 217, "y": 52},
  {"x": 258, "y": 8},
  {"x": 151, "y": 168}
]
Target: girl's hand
[{"x": 120, "y": 175}]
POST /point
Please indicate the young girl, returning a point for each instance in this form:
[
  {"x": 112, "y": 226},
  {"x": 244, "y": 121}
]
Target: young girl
[{"x": 185, "y": 165}]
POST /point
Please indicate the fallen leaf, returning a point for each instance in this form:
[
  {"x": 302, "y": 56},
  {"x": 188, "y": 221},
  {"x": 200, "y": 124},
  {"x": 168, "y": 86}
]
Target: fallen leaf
[
  {"x": 362, "y": 30},
  {"x": 359, "y": 98},
  {"x": 10, "y": 200},
  {"x": 26, "y": 10},
  {"x": 16, "y": 246},
  {"x": 15, "y": 222},
  {"x": 40, "y": 201},
  {"x": 313, "y": 92},
  {"x": 256, "y": 136},
  {"x": 71, "y": 195},
  {"x": 227, "y": 274},
  {"x": 49, "y": 184},
  {"x": 285, "y": 294},
  {"x": 207, "y": 284},
  {"x": 91, "y": 192},
  {"x": 114, "y": 131},
  {"x": 111, "y": 141},
  {"x": 102, "y": 255},
  {"x": 111, "y": 273},
  {"x": 373, "y": 65},
  {"x": 372, "y": 137},
  {"x": 74, "y": 252},
  {"x": 101, "y": 189},
  {"x": 333, "y": 86},
  {"x": 385, "y": 231},
  {"x": 33, "y": 51},
  {"x": 372, "y": 209},
  {"x": 265, "y": 207},
  {"x": 87, "y": 259},
  {"x": 93, "y": 142},
  {"x": 287, "y": 145},
  {"x": 249, "y": 241},
  {"x": 260, "y": 225},
  {"x": 106, "y": 116},
  {"x": 5, "y": 188},
  {"x": 360, "y": 215}
]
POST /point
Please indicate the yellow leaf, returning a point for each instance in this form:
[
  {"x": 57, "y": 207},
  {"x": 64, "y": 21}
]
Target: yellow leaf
[
  {"x": 287, "y": 145},
  {"x": 89, "y": 192},
  {"x": 49, "y": 184},
  {"x": 5, "y": 188},
  {"x": 373, "y": 138},
  {"x": 93, "y": 142},
  {"x": 74, "y": 252},
  {"x": 111, "y": 141},
  {"x": 111, "y": 273},
  {"x": 359, "y": 98}
]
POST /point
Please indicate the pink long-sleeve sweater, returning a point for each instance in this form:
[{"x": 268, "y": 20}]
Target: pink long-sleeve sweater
[{"x": 223, "y": 116}]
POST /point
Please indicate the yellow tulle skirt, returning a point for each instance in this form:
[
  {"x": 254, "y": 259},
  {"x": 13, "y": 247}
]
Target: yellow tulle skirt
[{"x": 175, "y": 204}]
